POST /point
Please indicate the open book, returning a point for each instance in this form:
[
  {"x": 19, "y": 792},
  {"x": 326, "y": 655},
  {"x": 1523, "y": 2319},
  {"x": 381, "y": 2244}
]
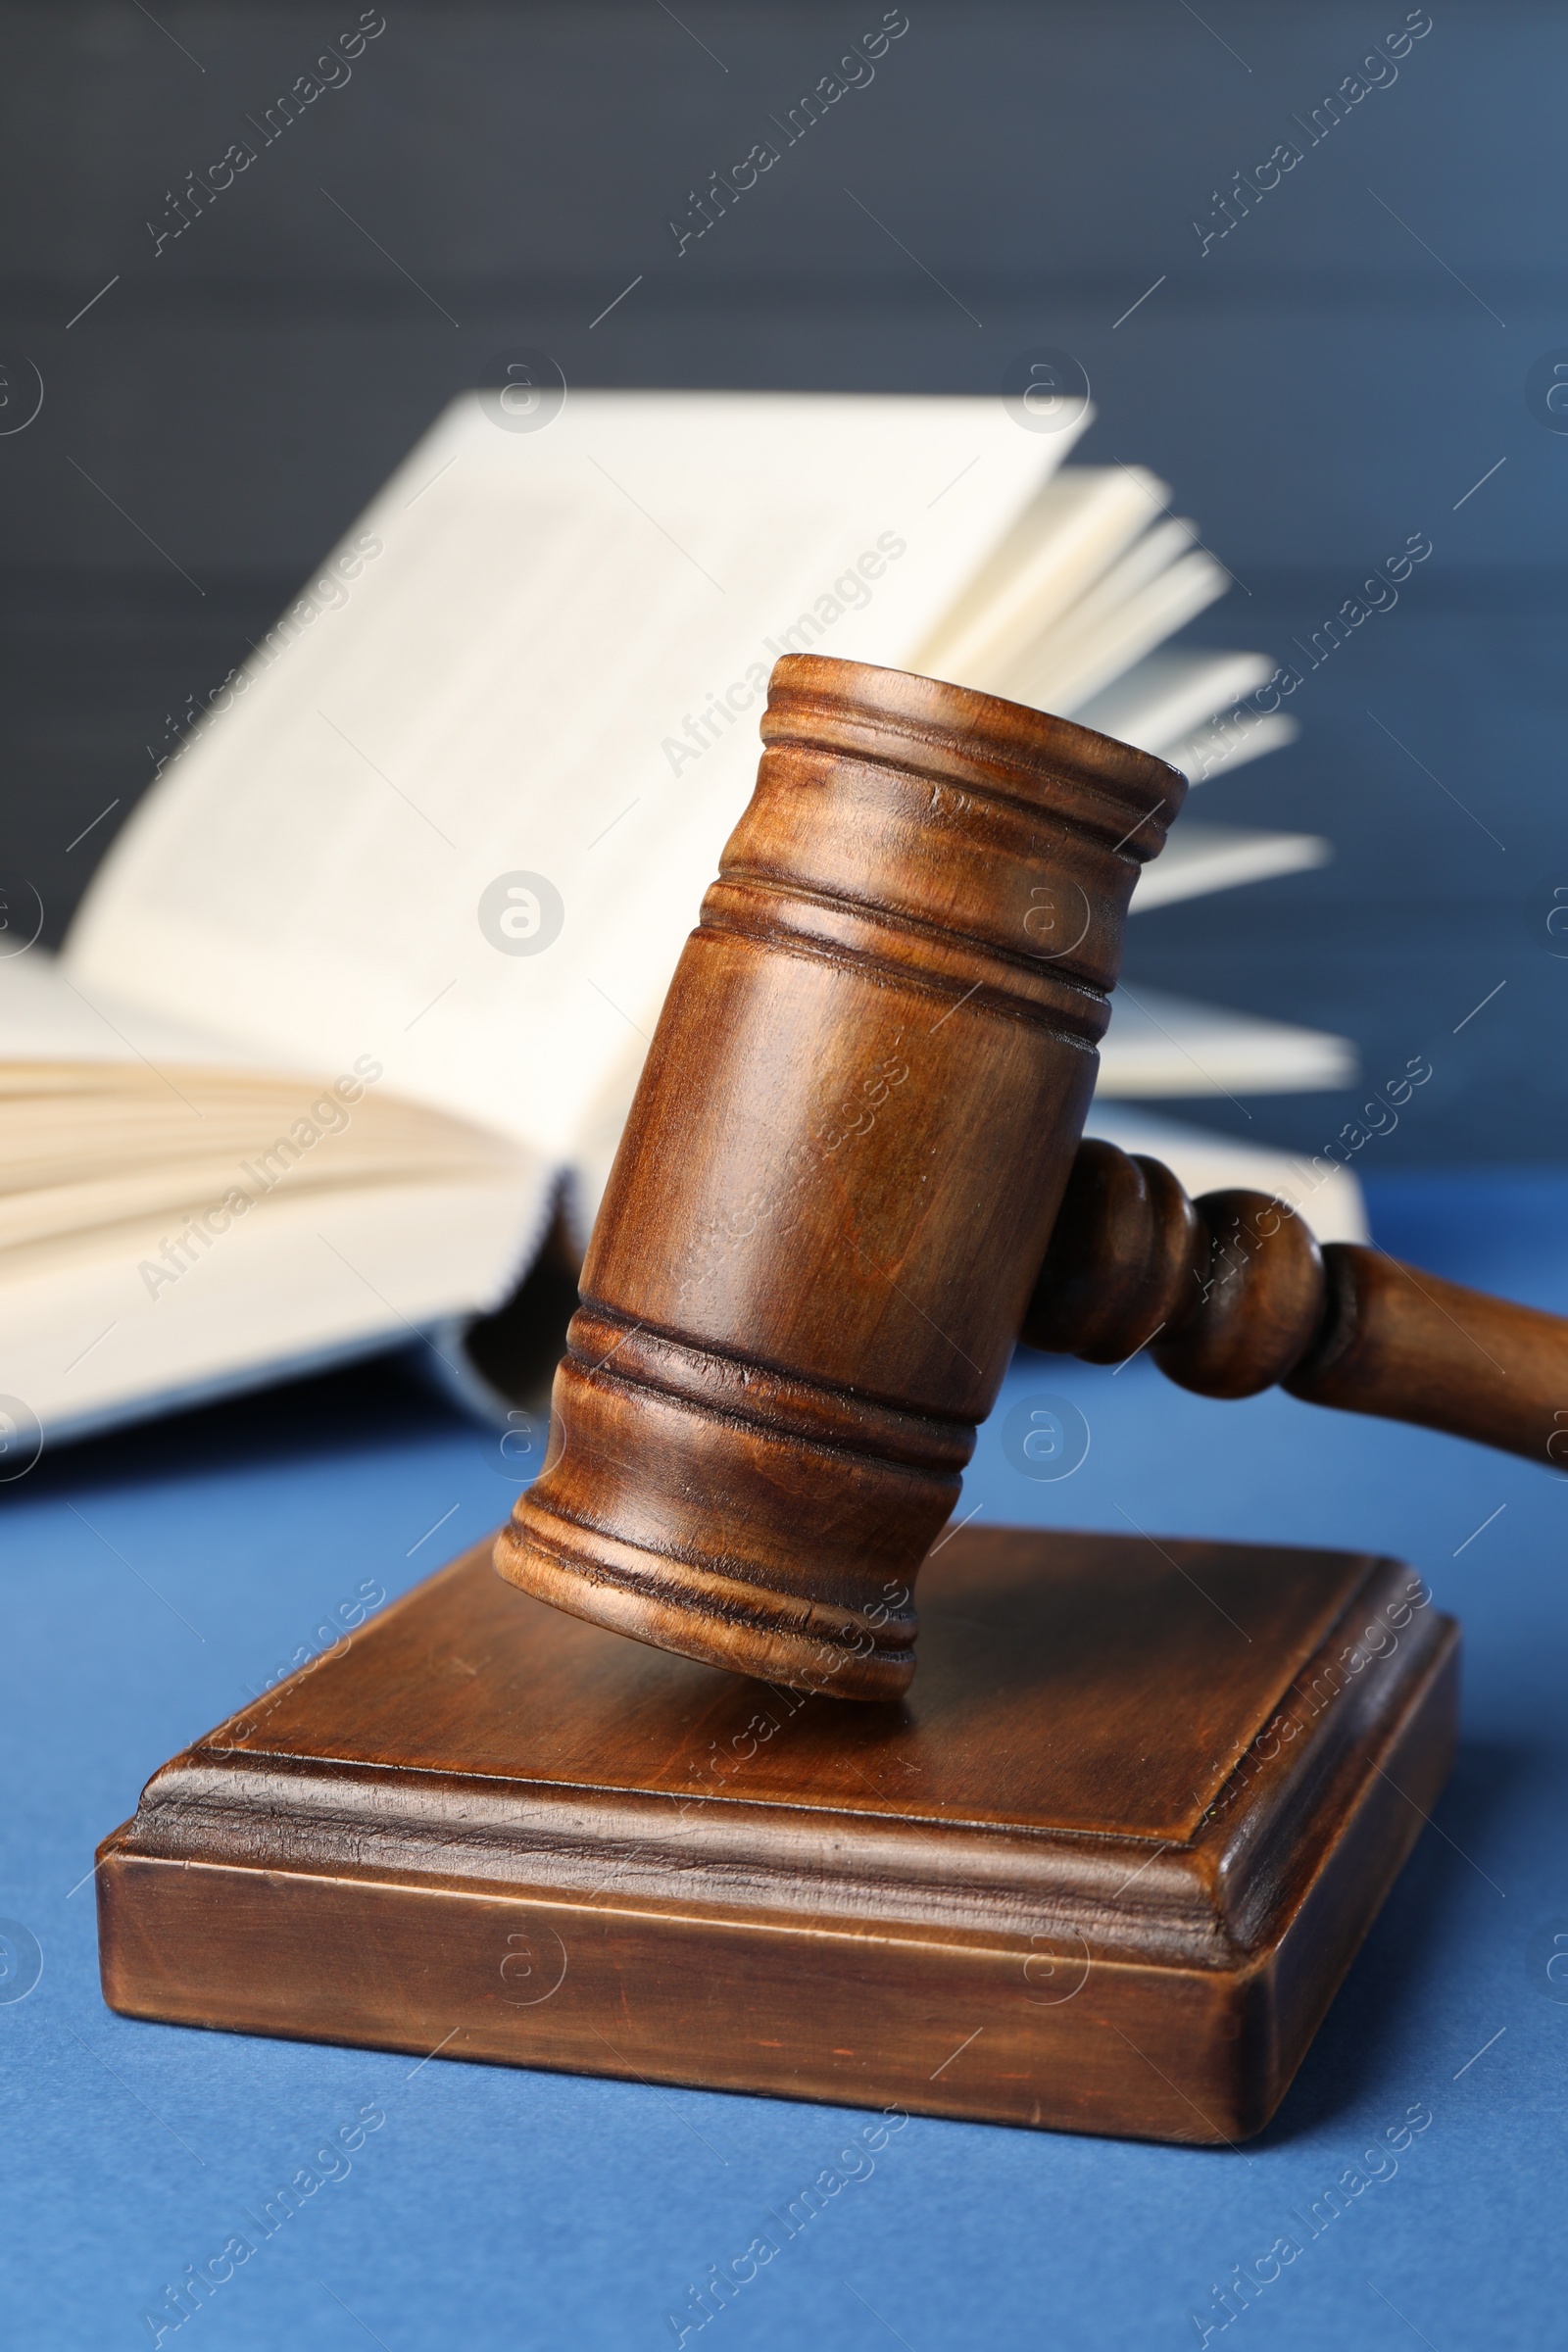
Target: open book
[{"x": 354, "y": 1009}]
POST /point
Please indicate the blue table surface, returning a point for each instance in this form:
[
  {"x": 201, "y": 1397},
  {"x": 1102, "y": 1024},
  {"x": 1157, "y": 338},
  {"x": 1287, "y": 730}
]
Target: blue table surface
[{"x": 151, "y": 1580}]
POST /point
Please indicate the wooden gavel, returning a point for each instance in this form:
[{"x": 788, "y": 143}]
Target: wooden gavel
[
  {"x": 855, "y": 1146},
  {"x": 1231, "y": 1295}
]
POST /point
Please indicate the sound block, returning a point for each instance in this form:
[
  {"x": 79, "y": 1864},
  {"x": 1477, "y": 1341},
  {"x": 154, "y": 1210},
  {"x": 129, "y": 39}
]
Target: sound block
[{"x": 1102, "y": 1871}]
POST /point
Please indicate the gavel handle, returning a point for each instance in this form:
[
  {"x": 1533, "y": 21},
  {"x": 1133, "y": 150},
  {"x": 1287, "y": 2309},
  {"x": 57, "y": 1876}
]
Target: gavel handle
[{"x": 1231, "y": 1293}]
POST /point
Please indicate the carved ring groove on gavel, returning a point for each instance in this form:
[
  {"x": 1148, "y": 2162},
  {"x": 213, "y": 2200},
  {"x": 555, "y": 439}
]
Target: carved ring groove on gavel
[{"x": 828, "y": 1215}]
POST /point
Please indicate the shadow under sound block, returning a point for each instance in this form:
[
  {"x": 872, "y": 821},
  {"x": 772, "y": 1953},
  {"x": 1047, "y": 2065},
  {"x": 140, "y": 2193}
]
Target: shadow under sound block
[{"x": 1100, "y": 1871}]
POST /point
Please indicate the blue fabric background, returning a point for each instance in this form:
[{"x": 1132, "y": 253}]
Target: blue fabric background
[{"x": 148, "y": 1581}]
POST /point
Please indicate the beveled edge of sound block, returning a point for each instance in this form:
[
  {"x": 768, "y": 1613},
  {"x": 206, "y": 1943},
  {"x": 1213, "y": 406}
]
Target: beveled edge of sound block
[{"x": 1107, "y": 1982}]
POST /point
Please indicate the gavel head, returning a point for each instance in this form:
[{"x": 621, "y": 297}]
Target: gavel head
[{"x": 839, "y": 1176}]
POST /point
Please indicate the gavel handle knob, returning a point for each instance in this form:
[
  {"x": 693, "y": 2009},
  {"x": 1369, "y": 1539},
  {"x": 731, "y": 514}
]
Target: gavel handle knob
[{"x": 1231, "y": 1295}]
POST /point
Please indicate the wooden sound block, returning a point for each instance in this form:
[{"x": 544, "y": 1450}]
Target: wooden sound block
[{"x": 1102, "y": 1871}]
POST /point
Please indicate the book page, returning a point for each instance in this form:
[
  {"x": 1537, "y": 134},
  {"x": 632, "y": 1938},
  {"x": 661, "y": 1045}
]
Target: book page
[
  {"x": 1163, "y": 699},
  {"x": 1154, "y": 591},
  {"x": 47, "y": 1017},
  {"x": 464, "y": 802},
  {"x": 1170, "y": 1047},
  {"x": 1065, "y": 540},
  {"x": 1198, "y": 859}
]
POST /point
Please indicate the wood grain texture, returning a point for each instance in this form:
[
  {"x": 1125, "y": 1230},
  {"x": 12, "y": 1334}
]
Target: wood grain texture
[
  {"x": 1102, "y": 1871},
  {"x": 1231, "y": 1293},
  {"x": 839, "y": 1176}
]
